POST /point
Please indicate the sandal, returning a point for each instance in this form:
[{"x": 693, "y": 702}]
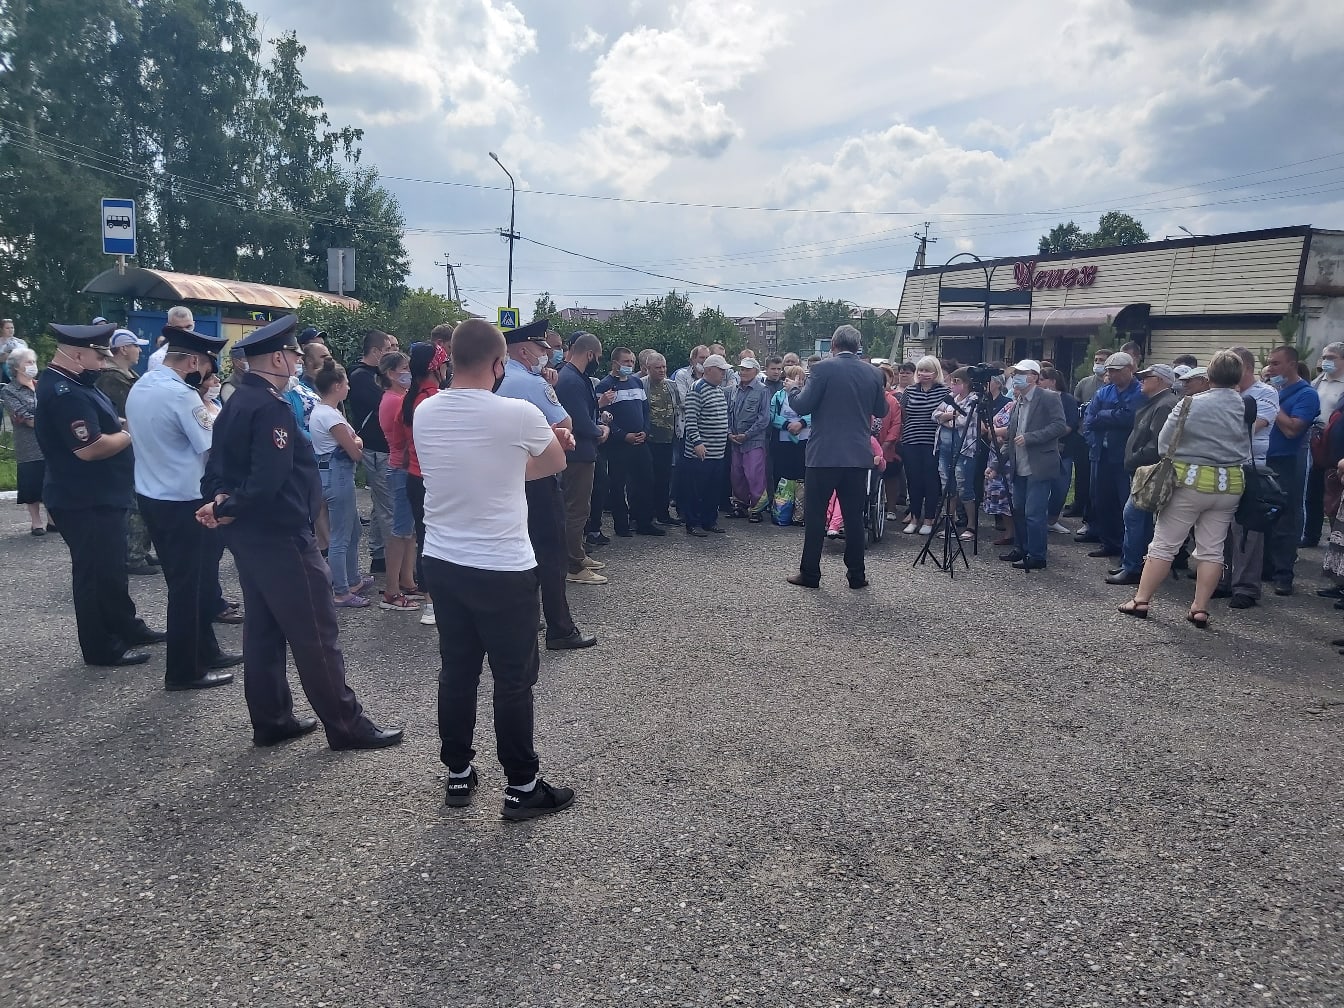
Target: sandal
[
  {"x": 1200, "y": 618},
  {"x": 413, "y": 592},
  {"x": 364, "y": 587},
  {"x": 1135, "y": 608},
  {"x": 352, "y": 601},
  {"x": 399, "y": 602}
]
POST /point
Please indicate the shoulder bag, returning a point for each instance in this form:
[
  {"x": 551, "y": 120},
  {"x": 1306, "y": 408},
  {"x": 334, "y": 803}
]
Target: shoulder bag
[
  {"x": 1263, "y": 500},
  {"x": 1152, "y": 485}
]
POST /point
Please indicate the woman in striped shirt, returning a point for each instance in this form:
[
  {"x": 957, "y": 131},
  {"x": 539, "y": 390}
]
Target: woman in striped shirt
[{"x": 919, "y": 434}]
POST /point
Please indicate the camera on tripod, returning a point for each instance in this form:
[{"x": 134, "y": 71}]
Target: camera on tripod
[{"x": 979, "y": 376}]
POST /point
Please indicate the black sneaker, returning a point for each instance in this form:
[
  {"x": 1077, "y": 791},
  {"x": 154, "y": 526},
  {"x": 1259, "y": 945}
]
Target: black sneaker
[
  {"x": 457, "y": 791},
  {"x": 544, "y": 799}
]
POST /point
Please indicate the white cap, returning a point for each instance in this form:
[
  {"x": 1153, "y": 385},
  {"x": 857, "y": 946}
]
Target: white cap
[
  {"x": 1185, "y": 371},
  {"x": 1028, "y": 365},
  {"x": 750, "y": 363},
  {"x": 716, "y": 360}
]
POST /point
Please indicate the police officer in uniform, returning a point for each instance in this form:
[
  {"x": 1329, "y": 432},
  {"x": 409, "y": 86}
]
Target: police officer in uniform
[
  {"x": 88, "y": 490},
  {"x": 529, "y": 356},
  {"x": 171, "y": 426},
  {"x": 261, "y": 486}
]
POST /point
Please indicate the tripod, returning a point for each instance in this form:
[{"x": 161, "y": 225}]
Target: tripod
[{"x": 946, "y": 527}]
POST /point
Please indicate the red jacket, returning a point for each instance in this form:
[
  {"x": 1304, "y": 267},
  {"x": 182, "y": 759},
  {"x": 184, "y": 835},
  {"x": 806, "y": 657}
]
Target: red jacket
[{"x": 890, "y": 434}]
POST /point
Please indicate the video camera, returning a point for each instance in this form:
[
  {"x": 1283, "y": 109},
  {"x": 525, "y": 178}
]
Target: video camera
[{"x": 979, "y": 376}]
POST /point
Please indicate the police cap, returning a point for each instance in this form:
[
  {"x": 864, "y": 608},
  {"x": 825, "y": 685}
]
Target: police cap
[
  {"x": 533, "y": 332},
  {"x": 93, "y": 337},
  {"x": 269, "y": 338},
  {"x": 191, "y": 341}
]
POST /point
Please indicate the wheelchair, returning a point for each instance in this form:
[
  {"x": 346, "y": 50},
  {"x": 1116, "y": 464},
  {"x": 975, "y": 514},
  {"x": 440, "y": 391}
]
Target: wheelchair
[{"x": 875, "y": 514}]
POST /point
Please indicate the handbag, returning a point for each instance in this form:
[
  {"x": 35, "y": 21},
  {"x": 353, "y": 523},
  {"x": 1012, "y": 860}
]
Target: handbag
[
  {"x": 1263, "y": 502},
  {"x": 1152, "y": 485}
]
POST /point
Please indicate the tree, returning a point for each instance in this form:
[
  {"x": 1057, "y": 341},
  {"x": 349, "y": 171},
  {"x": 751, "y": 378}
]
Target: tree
[
  {"x": 1104, "y": 339},
  {"x": 1062, "y": 238},
  {"x": 1117, "y": 228},
  {"x": 419, "y": 311},
  {"x": 806, "y": 322},
  {"x": 1287, "y": 327}
]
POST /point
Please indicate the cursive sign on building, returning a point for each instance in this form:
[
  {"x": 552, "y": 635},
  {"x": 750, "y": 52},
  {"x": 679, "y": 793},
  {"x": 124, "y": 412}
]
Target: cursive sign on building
[{"x": 1028, "y": 277}]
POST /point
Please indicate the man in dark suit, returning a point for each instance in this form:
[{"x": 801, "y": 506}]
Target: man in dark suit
[
  {"x": 843, "y": 394},
  {"x": 1034, "y": 429}
]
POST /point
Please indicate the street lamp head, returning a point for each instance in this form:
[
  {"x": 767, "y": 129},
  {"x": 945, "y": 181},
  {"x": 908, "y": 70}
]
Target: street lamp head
[{"x": 494, "y": 155}]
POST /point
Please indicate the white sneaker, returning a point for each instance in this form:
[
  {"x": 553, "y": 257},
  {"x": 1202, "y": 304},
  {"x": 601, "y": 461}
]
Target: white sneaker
[
  {"x": 592, "y": 564},
  {"x": 427, "y": 614},
  {"x": 1061, "y": 528},
  {"x": 586, "y": 576},
  {"x": 911, "y": 529},
  {"x": 925, "y": 529}
]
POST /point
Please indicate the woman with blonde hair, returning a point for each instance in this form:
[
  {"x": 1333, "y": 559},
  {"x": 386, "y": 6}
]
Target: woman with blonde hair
[
  {"x": 1209, "y": 439},
  {"x": 919, "y": 435}
]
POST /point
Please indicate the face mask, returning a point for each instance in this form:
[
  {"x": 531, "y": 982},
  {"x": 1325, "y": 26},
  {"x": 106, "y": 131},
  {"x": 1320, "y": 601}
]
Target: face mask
[
  {"x": 30, "y": 370},
  {"x": 404, "y": 379},
  {"x": 194, "y": 379},
  {"x": 1277, "y": 381},
  {"x": 626, "y": 370},
  {"x": 1019, "y": 381},
  {"x": 591, "y": 368},
  {"x": 498, "y": 382},
  {"x": 557, "y": 358},
  {"x": 537, "y": 366},
  {"x": 298, "y": 370},
  {"x": 1098, "y": 369},
  {"x": 1327, "y": 366}
]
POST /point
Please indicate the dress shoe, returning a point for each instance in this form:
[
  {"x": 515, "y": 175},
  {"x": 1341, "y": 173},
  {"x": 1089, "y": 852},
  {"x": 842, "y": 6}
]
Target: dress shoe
[
  {"x": 127, "y": 658},
  {"x": 1330, "y": 593},
  {"x": 803, "y": 582},
  {"x": 231, "y": 615},
  {"x": 223, "y": 660},
  {"x": 274, "y": 736},
  {"x": 1012, "y": 556},
  {"x": 206, "y": 680},
  {"x": 1124, "y": 577},
  {"x": 652, "y": 530},
  {"x": 856, "y": 585},
  {"x": 1283, "y": 588},
  {"x": 1242, "y": 602},
  {"x": 374, "y": 738},
  {"x": 1028, "y": 564},
  {"x": 1222, "y": 593},
  {"x": 1103, "y": 552},
  {"x": 701, "y": 533},
  {"x": 1087, "y": 538},
  {"x": 595, "y": 539},
  {"x": 667, "y": 520},
  {"x": 578, "y": 639},
  {"x": 624, "y": 533},
  {"x": 716, "y": 528},
  {"x": 145, "y": 636},
  {"x": 1114, "y": 570}
]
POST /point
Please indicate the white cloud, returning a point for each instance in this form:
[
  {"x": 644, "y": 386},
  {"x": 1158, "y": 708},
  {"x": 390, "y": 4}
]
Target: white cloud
[
  {"x": 659, "y": 90},
  {"x": 590, "y": 39}
]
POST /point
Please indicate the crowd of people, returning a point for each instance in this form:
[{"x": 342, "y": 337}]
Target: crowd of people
[{"x": 495, "y": 463}]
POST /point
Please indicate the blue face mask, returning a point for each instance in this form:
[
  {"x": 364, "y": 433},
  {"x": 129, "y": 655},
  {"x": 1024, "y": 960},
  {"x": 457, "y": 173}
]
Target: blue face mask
[
  {"x": 1276, "y": 380},
  {"x": 1327, "y": 366},
  {"x": 1019, "y": 381},
  {"x": 557, "y": 358},
  {"x": 626, "y": 370},
  {"x": 1098, "y": 369}
]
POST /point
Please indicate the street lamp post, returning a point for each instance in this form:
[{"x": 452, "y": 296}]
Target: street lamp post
[{"x": 513, "y": 200}]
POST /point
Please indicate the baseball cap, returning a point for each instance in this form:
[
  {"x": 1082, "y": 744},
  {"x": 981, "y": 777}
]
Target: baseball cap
[
  {"x": 1028, "y": 365},
  {"x": 749, "y": 363},
  {"x": 716, "y": 360},
  {"x": 1119, "y": 360},
  {"x": 1185, "y": 371},
  {"x": 124, "y": 337},
  {"x": 1164, "y": 371}
]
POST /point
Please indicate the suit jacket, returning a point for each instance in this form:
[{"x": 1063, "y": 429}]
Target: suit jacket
[
  {"x": 842, "y": 395},
  {"x": 1045, "y": 426}
]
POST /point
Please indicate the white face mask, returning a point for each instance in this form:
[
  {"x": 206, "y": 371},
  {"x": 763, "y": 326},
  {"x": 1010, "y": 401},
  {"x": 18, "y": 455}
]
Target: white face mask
[
  {"x": 292, "y": 383},
  {"x": 30, "y": 370}
]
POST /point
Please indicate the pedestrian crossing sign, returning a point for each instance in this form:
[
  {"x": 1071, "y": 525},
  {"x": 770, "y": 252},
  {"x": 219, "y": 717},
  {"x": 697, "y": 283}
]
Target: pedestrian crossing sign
[{"x": 508, "y": 319}]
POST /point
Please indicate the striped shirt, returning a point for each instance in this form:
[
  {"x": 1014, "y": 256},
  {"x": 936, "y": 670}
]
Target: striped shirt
[
  {"x": 707, "y": 420},
  {"x": 917, "y": 406}
]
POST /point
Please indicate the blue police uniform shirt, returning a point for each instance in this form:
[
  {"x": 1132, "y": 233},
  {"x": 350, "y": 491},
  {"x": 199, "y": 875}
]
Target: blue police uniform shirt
[
  {"x": 70, "y": 416},
  {"x": 520, "y": 383},
  {"x": 171, "y": 428}
]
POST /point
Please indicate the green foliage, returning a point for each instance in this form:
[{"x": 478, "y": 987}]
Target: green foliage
[
  {"x": 668, "y": 324},
  {"x": 235, "y": 167},
  {"x": 415, "y": 315},
  {"x": 1104, "y": 339},
  {"x": 420, "y": 310},
  {"x": 1114, "y": 228},
  {"x": 1288, "y": 326},
  {"x": 808, "y": 321}
]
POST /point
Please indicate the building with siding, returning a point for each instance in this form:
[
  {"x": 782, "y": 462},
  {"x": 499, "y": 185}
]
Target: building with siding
[{"x": 1190, "y": 295}]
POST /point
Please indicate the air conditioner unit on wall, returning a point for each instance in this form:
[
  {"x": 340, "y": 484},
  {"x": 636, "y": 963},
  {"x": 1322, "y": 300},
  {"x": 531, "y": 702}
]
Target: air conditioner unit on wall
[{"x": 922, "y": 331}]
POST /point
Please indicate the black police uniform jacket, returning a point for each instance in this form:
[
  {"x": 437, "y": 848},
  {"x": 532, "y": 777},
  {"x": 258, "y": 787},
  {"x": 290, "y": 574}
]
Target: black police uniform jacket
[
  {"x": 261, "y": 460},
  {"x": 72, "y": 414}
]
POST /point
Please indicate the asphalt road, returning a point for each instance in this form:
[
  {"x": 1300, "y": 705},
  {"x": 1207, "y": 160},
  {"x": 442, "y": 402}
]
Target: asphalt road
[{"x": 991, "y": 790}]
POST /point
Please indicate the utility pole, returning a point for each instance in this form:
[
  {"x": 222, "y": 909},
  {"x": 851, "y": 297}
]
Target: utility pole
[
  {"x": 453, "y": 292},
  {"x": 924, "y": 241}
]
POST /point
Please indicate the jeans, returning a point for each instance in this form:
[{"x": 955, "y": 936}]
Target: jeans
[
  {"x": 480, "y": 614},
  {"x": 1059, "y": 489},
  {"x": 1110, "y": 490},
  {"x": 338, "y": 488},
  {"x": 1031, "y": 501},
  {"x": 380, "y": 520},
  {"x": 956, "y": 470},
  {"x": 1138, "y": 534},
  {"x": 403, "y": 522},
  {"x": 1281, "y": 544}
]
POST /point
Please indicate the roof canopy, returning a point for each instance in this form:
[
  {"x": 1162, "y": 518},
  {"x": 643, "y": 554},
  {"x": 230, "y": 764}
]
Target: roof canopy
[
  {"x": 1019, "y": 322},
  {"x": 161, "y": 285}
]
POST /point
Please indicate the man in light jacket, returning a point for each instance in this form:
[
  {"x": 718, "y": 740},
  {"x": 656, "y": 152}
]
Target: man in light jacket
[
  {"x": 748, "y": 424},
  {"x": 1034, "y": 429}
]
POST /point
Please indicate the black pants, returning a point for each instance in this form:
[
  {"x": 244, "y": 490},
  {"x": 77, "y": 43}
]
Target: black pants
[
  {"x": 1311, "y": 531},
  {"x": 104, "y": 613},
  {"x": 415, "y": 495},
  {"x": 599, "y": 499},
  {"x": 1282, "y": 542},
  {"x": 185, "y": 549},
  {"x": 630, "y": 472},
  {"x": 546, "y": 529},
  {"x": 287, "y": 593},
  {"x": 851, "y": 486},
  {"x": 483, "y": 614},
  {"x": 1082, "y": 485},
  {"x": 660, "y": 498},
  {"x": 1110, "y": 490},
  {"x": 698, "y": 490},
  {"x": 921, "y": 482}
]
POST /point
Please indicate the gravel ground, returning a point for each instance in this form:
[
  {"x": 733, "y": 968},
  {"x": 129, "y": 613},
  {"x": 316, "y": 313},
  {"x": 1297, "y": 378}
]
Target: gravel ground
[{"x": 991, "y": 790}]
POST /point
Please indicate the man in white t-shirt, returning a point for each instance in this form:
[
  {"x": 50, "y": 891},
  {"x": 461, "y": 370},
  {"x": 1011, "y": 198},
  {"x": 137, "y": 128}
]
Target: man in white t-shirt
[
  {"x": 179, "y": 317},
  {"x": 476, "y": 451}
]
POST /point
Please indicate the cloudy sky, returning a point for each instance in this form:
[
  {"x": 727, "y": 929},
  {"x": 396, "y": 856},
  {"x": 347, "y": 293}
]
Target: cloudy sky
[{"x": 790, "y": 149}]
